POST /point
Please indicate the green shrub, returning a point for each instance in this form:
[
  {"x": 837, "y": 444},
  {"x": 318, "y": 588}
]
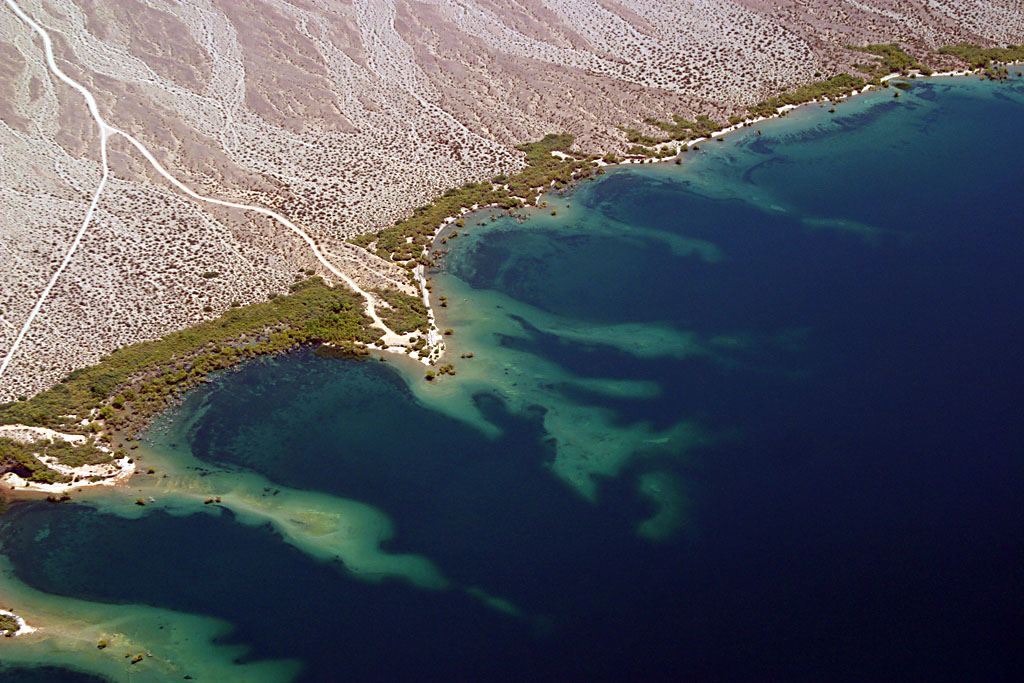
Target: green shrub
[
  {"x": 681, "y": 129},
  {"x": 840, "y": 85},
  {"x": 980, "y": 58},
  {"x": 542, "y": 169},
  {"x": 890, "y": 58},
  {"x": 21, "y": 457},
  {"x": 8, "y": 625},
  {"x": 407, "y": 312},
  {"x": 143, "y": 377}
]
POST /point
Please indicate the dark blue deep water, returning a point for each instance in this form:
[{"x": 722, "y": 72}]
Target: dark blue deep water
[{"x": 858, "y": 515}]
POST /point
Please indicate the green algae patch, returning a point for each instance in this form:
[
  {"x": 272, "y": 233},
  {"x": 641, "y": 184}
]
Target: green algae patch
[
  {"x": 498, "y": 604},
  {"x": 323, "y": 526},
  {"x": 671, "y": 501},
  {"x": 589, "y": 443},
  {"x": 132, "y": 384}
]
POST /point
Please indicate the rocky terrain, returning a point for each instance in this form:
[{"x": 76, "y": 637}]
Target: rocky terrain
[{"x": 343, "y": 116}]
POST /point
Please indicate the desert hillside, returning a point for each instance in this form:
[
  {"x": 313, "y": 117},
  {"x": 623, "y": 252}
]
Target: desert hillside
[{"x": 343, "y": 116}]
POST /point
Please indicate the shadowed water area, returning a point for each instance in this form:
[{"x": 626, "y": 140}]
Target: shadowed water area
[{"x": 757, "y": 414}]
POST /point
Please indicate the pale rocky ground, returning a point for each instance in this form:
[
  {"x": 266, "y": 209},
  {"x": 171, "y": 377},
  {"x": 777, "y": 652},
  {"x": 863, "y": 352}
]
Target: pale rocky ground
[{"x": 343, "y": 116}]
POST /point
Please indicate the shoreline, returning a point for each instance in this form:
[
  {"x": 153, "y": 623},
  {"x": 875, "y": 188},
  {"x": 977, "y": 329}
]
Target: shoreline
[
  {"x": 680, "y": 146},
  {"x": 780, "y": 113},
  {"x": 122, "y": 470},
  {"x": 454, "y": 348}
]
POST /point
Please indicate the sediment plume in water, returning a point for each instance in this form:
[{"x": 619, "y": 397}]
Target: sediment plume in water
[
  {"x": 589, "y": 442},
  {"x": 95, "y": 638},
  {"x": 174, "y": 644}
]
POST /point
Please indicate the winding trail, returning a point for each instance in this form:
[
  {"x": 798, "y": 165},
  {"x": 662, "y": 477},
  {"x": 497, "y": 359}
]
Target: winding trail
[{"x": 390, "y": 338}]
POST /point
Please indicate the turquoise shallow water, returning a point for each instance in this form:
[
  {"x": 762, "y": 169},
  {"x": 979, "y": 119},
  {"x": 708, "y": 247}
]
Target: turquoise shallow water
[{"x": 757, "y": 414}]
